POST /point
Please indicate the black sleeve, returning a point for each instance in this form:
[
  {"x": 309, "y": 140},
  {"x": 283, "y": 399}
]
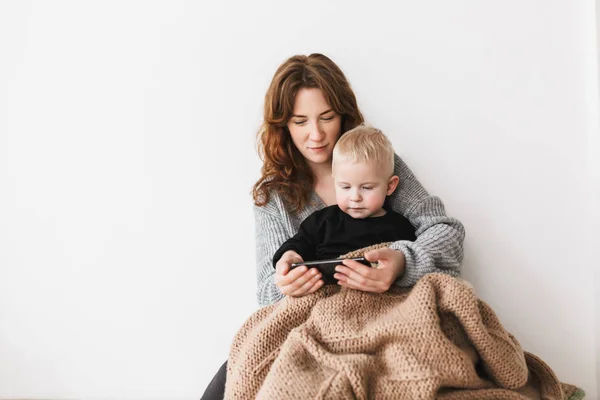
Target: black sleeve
[
  {"x": 304, "y": 242},
  {"x": 404, "y": 228}
]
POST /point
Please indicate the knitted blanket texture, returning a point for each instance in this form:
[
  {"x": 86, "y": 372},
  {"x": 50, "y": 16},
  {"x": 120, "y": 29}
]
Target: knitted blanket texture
[{"x": 436, "y": 340}]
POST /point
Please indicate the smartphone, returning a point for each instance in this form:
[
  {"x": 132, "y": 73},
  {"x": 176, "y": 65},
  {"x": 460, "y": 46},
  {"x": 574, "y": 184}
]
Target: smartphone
[{"x": 327, "y": 267}]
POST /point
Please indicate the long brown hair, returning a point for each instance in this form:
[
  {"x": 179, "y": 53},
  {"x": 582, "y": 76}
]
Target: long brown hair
[{"x": 284, "y": 169}]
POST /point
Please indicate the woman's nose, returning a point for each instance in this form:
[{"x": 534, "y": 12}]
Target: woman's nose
[{"x": 316, "y": 133}]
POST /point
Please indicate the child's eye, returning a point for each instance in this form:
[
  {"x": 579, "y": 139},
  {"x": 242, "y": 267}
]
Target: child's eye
[
  {"x": 345, "y": 187},
  {"x": 367, "y": 188}
]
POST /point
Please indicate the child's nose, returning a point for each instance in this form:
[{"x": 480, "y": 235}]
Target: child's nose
[{"x": 355, "y": 196}]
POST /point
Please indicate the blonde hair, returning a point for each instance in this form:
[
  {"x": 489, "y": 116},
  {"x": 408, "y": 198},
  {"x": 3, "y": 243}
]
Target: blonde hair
[{"x": 365, "y": 144}]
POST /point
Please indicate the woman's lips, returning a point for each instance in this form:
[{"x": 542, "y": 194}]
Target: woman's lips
[{"x": 318, "y": 149}]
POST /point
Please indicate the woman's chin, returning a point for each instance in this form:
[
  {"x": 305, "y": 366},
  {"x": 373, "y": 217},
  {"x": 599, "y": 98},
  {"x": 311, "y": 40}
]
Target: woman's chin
[{"x": 319, "y": 158}]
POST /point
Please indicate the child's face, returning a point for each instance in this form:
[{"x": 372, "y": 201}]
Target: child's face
[{"x": 361, "y": 189}]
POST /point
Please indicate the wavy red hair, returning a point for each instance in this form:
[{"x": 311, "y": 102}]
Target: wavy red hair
[{"x": 284, "y": 169}]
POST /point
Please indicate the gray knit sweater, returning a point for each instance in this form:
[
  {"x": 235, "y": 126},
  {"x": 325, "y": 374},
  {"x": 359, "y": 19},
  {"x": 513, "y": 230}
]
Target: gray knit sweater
[{"x": 438, "y": 248}]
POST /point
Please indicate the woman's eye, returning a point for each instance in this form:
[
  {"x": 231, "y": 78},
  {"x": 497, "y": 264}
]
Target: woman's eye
[
  {"x": 327, "y": 118},
  {"x": 300, "y": 122}
]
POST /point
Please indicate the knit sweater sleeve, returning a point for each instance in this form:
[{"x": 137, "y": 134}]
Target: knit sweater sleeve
[
  {"x": 270, "y": 234},
  {"x": 439, "y": 244}
]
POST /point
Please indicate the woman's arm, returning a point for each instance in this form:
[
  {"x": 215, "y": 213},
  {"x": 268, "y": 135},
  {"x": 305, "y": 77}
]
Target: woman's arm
[
  {"x": 270, "y": 234},
  {"x": 439, "y": 244},
  {"x": 272, "y": 230}
]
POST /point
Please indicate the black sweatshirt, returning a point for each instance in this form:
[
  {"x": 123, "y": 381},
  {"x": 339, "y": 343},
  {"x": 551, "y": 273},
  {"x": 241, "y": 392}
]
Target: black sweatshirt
[{"x": 330, "y": 233}]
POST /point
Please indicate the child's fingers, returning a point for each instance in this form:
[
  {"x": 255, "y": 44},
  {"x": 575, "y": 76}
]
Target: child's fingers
[
  {"x": 284, "y": 279},
  {"x": 306, "y": 282},
  {"x": 282, "y": 268},
  {"x": 316, "y": 286}
]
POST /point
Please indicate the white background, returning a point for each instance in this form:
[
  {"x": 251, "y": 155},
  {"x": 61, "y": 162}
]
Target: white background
[{"x": 127, "y": 156}]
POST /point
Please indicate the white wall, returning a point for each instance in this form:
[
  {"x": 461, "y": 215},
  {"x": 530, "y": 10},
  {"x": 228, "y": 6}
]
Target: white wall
[
  {"x": 127, "y": 156},
  {"x": 594, "y": 174}
]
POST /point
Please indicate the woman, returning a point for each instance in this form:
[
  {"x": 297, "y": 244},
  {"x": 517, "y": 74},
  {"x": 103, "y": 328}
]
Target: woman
[{"x": 308, "y": 106}]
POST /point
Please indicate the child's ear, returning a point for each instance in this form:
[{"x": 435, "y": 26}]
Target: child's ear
[{"x": 392, "y": 184}]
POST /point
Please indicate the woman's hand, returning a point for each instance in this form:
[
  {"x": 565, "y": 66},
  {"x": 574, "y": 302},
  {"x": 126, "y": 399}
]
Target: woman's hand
[
  {"x": 299, "y": 281},
  {"x": 355, "y": 275}
]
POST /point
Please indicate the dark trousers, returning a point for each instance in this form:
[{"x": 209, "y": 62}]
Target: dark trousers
[{"x": 216, "y": 388}]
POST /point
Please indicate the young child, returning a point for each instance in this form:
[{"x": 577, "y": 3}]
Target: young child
[{"x": 362, "y": 169}]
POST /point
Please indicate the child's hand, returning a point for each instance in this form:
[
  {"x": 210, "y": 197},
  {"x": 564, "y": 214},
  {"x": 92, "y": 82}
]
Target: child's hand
[
  {"x": 299, "y": 281},
  {"x": 355, "y": 275}
]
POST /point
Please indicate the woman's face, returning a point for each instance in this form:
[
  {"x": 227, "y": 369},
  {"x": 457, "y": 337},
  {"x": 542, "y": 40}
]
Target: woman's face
[{"x": 314, "y": 126}]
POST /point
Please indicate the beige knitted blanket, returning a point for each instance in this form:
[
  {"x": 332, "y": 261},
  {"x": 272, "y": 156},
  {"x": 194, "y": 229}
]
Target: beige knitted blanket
[{"x": 436, "y": 340}]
